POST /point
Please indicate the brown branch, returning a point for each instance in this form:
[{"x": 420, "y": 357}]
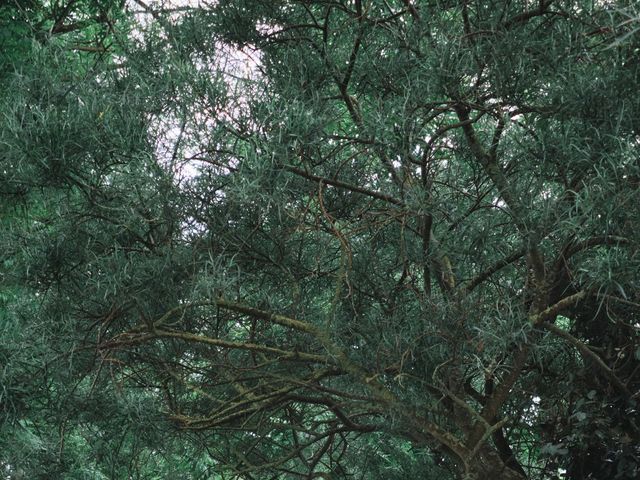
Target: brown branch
[
  {"x": 248, "y": 404},
  {"x": 588, "y": 354},
  {"x": 442, "y": 130},
  {"x": 465, "y": 19},
  {"x": 69, "y": 27},
  {"x": 501, "y": 393},
  {"x": 155, "y": 13},
  {"x": 282, "y": 354},
  {"x": 133, "y": 338},
  {"x": 333, "y": 406},
  {"x": 63, "y": 15},
  {"x": 508, "y": 260},
  {"x": 318, "y": 456},
  {"x": 89, "y": 49},
  {"x": 528, "y": 15},
  {"x": 381, "y": 393},
  {"x": 493, "y": 150},
  {"x": 427, "y": 222},
  {"x": 553, "y": 311},
  {"x": 268, "y": 316},
  {"x": 337, "y": 356},
  {"x": 476, "y": 205},
  {"x": 506, "y": 453},
  {"x": 491, "y": 168},
  {"x": 346, "y": 186},
  {"x": 619, "y": 300},
  {"x": 353, "y": 108},
  {"x": 354, "y": 51}
]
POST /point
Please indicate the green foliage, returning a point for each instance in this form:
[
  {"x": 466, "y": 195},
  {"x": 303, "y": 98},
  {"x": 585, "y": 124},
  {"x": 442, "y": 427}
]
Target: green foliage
[{"x": 308, "y": 239}]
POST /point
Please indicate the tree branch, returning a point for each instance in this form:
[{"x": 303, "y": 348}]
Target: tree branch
[
  {"x": 588, "y": 354},
  {"x": 282, "y": 354},
  {"x": 508, "y": 260},
  {"x": 492, "y": 169},
  {"x": 552, "y": 311},
  {"x": 346, "y": 186},
  {"x": 528, "y": 15},
  {"x": 412, "y": 10}
]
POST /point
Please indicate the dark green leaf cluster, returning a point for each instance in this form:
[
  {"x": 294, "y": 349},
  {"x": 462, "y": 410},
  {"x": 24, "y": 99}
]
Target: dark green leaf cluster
[{"x": 319, "y": 239}]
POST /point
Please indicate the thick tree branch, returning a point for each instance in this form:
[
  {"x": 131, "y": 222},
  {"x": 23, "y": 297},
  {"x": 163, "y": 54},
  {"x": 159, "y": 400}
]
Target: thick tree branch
[
  {"x": 501, "y": 393},
  {"x": 553, "y": 311},
  {"x": 358, "y": 373},
  {"x": 589, "y": 355}
]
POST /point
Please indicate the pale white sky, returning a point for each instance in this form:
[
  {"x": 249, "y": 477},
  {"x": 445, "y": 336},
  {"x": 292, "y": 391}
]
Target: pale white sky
[{"x": 239, "y": 68}]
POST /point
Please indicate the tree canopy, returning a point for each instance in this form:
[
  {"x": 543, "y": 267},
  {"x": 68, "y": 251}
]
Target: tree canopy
[{"x": 320, "y": 239}]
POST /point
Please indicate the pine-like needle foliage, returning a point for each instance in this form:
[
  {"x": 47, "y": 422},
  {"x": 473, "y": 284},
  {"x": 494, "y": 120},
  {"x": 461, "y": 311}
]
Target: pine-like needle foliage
[{"x": 368, "y": 239}]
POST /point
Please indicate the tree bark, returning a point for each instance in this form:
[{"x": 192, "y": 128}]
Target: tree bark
[{"x": 487, "y": 465}]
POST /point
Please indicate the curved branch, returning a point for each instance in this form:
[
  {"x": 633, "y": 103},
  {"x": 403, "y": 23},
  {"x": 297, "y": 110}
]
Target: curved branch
[
  {"x": 524, "y": 17},
  {"x": 587, "y": 353},
  {"x": 381, "y": 393},
  {"x": 618, "y": 300},
  {"x": 496, "y": 173}
]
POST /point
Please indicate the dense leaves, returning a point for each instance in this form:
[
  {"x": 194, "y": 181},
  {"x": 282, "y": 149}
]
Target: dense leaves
[{"x": 320, "y": 239}]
